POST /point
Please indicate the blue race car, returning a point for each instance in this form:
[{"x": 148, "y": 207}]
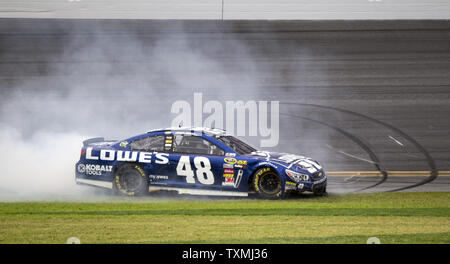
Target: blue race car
[{"x": 198, "y": 161}]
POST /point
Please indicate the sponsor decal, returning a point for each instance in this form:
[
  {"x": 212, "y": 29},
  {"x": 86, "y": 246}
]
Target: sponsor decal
[
  {"x": 123, "y": 144},
  {"x": 158, "y": 179},
  {"x": 240, "y": 166},
  {"x": 290, "y": 183},
  {"x": 141, "y": 171},
  {"x": 230, "y": 160},
  {"x": 305, "y": 177},
  {"x": 131, "y": 156},
  {"x": 266, "y": 163},
  {"x": 228, "y": 171},
  {"x": 242, "y": 162},
  {"x": 297, "y": 176},
  {"x": 289, "y": 187},
  {"x": 81, "y": 168},
  {"x": 302, "y": 162},
  {"x": 93, "y": 169},
  {"x": 168, "y": 141},
  {"x": 167, "y": 146},
  {"x": 230, "y": 154},
  {"x": 228, "y": 166},
  {"x": 238, "y": 178},
  {"x": 229, "y": 180},
  {"x": 262, "y": 171}
]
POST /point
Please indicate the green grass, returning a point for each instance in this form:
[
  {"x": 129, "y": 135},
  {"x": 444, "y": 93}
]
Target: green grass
[{"x": 392, "y": 217}]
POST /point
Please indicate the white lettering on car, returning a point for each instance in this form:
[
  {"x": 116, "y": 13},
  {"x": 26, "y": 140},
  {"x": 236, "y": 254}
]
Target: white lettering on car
[
  {"x": 203, "y": 167},
  {"x": 131, "y": 156},
  {"x": 89, "y": 154},
  {"x": 162, "y": 158},
  {"x": 145, "y": 157},
  {"x": 107, "y": 154},
  {"x": 126, "y": 155}
]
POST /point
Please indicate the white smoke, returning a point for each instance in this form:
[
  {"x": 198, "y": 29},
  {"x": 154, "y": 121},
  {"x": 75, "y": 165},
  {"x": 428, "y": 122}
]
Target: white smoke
[
  {"x": 96, "y": 82},
  {"x": 43, "y": 164},
  {"x": 120, "y": 82}
]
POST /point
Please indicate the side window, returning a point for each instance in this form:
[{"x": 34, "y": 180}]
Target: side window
[
  {"x": 195, "y": 145},
  {"x": 154, "y": 143}
]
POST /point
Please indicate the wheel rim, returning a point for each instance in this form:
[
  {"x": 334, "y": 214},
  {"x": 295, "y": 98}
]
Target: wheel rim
[
  {"x": 270, "y": 183},
  {"x": 130, "y": 180}
]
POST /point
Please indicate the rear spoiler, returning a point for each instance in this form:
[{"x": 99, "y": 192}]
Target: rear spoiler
[{"x": 93, "y": 140}]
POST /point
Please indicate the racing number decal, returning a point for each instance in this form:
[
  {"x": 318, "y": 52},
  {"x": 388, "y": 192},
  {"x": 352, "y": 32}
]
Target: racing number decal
[
  {"x": 204, "y": 173},
  {"x": 184, "y": 169},
  {"x": 203, "y": 167}
]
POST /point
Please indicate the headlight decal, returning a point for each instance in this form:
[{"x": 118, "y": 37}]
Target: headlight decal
[{"x": 297, "y": 176}]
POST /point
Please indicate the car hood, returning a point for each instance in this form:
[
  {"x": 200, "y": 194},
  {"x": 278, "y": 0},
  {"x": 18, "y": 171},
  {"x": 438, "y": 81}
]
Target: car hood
[{"x": 289, "y": 161}]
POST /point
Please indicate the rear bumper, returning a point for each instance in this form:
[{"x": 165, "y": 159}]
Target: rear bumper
[{"x": 82, "y": 179}]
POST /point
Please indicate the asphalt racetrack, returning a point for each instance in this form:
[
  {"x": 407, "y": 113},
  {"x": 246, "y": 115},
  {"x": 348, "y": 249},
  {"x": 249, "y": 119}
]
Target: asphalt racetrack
[{"x": 370, "y": 100}]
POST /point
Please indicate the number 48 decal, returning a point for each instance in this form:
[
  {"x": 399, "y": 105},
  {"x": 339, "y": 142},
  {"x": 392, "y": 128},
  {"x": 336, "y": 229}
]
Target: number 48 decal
[{"x": 203, "y": 166}]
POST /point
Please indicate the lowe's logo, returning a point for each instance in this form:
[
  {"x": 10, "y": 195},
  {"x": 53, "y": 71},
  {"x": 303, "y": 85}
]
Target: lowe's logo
[{"x": 132, "y": 156}]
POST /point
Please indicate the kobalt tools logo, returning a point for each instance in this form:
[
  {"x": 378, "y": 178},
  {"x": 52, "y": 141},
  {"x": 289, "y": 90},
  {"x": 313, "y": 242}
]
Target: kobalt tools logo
[
  {"x": 81, "y": 168},
  {"x": 92, "y": 169},
  {"x": 235, "y": 113}
]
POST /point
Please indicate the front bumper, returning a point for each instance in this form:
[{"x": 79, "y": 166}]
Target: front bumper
[
  {"x": 319, "y": 186},
  {"x": 310, "y": 186}
]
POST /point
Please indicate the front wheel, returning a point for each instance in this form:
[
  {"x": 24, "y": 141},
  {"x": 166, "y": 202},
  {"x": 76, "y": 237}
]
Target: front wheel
[
  {"x": 267, "y": 184},
  {"x": 131, "y": 180},
  {"x": 321, "y": 192}
]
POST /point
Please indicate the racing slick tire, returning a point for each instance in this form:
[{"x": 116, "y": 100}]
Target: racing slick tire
[
  {"x": 130, "y": 180},
  {"x": 267, "y": 184}
]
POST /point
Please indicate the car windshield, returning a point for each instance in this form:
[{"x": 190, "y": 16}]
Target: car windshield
[{"x": 237, "y": 145}]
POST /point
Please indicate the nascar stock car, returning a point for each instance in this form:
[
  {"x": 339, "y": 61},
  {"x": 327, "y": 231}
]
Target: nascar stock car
[{"x": 200, "y": 161}]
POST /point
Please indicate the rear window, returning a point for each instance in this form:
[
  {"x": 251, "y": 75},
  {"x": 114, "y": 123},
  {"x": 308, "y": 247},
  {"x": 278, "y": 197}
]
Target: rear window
[{"x": 154, "y": 143}]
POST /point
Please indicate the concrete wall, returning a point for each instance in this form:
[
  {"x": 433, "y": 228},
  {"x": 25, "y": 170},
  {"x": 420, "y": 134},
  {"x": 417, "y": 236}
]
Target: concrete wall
[{"x": 227, "y": 9}]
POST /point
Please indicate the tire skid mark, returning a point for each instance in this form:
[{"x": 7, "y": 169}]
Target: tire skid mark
[
  {"x": 357, "y": 140},
  {"x": 431, "y": 163}
]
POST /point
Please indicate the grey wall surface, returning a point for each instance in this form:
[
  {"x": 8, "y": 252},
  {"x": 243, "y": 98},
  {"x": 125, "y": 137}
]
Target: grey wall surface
[
  {"x": 119, "y": 77},
  {"x": 226, "y": 9}
]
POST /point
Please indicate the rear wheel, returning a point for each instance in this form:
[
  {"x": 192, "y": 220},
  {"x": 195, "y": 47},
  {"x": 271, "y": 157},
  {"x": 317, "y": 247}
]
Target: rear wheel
[
  {"x": 131, "y": 180},
  {"x": 267, "y": 184}
]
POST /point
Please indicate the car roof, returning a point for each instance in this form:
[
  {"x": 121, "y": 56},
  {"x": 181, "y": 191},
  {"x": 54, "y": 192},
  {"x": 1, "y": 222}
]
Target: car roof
[{"x": 193, "y": 130}]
